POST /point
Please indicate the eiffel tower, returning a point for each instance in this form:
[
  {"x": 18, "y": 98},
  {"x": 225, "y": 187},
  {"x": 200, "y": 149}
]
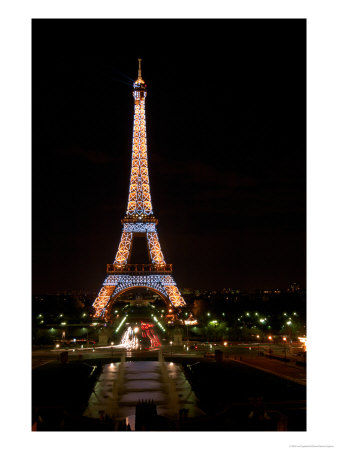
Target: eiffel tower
[{"x": 139, "y": 220}]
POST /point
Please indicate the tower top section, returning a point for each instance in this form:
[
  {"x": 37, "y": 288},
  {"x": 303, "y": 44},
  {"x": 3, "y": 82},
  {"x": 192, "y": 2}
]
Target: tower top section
[
  {"x": 139, "y": 201},
  {"x": 139, "y": 84}
]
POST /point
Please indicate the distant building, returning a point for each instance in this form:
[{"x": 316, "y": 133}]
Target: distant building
[{"x": 294, "y": 287}]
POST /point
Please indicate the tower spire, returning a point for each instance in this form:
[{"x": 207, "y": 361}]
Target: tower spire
[{"x": 139, "y": 68}]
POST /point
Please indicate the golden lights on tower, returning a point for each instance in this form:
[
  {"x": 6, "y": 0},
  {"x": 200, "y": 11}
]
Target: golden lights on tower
[{"x": 139, "y": 219}]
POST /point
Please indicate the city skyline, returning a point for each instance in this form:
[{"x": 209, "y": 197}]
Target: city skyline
[{"x": 226, "y": 139}]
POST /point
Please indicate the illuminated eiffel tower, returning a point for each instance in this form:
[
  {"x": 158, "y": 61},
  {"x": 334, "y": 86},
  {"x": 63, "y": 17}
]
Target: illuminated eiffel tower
[{"x": 139, "y": 220}]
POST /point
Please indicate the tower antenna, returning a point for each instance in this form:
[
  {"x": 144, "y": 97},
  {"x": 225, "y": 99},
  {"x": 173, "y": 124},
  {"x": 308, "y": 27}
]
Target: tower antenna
[{"x": 139, "y": 68}]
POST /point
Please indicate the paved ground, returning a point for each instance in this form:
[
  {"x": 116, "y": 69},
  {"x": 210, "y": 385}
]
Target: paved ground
[
  {"x": 289, "y": 371},
  {"x": 38, "y": 362}
]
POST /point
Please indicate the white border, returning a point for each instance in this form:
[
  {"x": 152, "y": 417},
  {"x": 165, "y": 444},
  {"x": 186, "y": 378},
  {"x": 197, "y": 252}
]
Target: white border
[{"x": 15, "y": 137}]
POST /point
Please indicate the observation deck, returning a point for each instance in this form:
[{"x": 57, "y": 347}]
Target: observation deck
[
  {"x": 139, "y": 269},
  {"x": 139, "y": 218}
]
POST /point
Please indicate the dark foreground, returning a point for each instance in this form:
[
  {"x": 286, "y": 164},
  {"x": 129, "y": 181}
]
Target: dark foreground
[{"x": 234, "y": 397}]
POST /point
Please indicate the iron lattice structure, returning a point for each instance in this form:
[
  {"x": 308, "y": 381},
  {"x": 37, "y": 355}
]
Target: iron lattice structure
[{"x": 138, "y": 221}]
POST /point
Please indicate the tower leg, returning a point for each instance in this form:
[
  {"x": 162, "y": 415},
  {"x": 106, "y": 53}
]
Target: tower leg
[
  {"x": 155, "y": 248},
  {"x": 123, "y": 251},
  {"x": 102, "y": 300},
  {"x": 172, "y": 291}
]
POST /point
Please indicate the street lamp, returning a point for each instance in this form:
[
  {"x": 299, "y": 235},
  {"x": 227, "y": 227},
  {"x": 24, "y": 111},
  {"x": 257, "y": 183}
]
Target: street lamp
[
  {"x": 270, "y": 339},
  {"x": 171, "y": 347},
  {"x": 284, "y": 339},
  {"x": 226, "y": 345}
]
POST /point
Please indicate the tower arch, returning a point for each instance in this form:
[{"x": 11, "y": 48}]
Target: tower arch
[{"x": 115, "y": 297}]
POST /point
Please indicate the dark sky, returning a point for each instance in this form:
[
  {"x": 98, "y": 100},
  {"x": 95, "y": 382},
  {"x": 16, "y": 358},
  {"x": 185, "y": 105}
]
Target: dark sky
[{"x": 226, "y": 117}]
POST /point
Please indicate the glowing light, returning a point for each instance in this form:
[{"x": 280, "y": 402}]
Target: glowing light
[
  {"x": 63, "y": 323},
  {"x": 57, "y": 345},
  {"x": 289, "y": 322},
  {"x": 129, "y": 340},
  {"x": 136, "y": 330},
  {"x": 171, "y": 342},
  {"x": 225, "y": 343},
  {"x": 257, "y": 336},
  {"x": 191, "y": 322},
  {"x": 121, "y": 323},
  {"x": 262, "y": 320},
  {"x": 112, "y": 343},
  {"x": 303, "y": 340},
  {"x": 284, "y": 338},
  {"x": 158, "y": 323},
  {"x": 270, "y": 337},
  {"x": 171, "y": 364}
]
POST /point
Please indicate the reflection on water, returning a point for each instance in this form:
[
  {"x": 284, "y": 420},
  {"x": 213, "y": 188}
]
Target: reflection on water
[{"x": 122, "y": 385}]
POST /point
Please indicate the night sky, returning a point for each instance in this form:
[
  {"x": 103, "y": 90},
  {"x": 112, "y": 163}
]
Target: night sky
[{"x": 226, "y": 128}]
